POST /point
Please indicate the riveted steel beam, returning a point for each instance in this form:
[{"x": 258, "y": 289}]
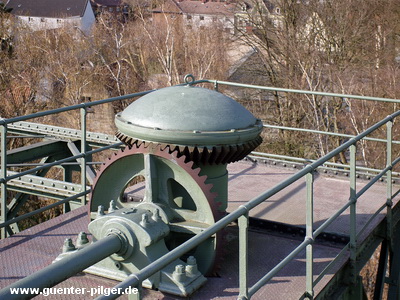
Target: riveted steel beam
[
  {"x": 41, "y": 186},
  {"x": 35, "y": 151},
  {"x": 94, "y": 139}
]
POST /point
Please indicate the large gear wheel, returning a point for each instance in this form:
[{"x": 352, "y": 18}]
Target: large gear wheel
[{"x": 171, "y": 183}]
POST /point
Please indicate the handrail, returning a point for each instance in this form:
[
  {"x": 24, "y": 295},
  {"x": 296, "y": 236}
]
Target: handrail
[
  {"x": 72, "y": 107},
  {"x": 157, "y": 265},
  {"x": 295, "y": 91},
  {"x": 325, "y": 133},
  {"x": 243, "y": 210}
]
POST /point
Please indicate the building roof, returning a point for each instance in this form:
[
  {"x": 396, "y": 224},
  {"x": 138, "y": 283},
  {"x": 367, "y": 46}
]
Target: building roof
[
  {"x": 207, "y": 8},
  {"x": 197, "y": 7},
  {"x": 48, "y": 8},
  {"x": 108, "y": 3}
]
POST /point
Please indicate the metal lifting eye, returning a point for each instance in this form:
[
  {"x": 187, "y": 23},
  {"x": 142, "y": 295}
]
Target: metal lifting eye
[{"x": 189, "y": 79}]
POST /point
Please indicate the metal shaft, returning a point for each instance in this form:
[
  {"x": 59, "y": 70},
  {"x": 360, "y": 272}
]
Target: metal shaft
[{"x": 65, "y": 268}]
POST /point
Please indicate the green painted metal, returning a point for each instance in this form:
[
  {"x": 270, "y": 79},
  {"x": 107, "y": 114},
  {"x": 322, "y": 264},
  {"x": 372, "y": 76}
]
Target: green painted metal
[
  {"x": 181, "y": 197},
  {"x": 243, "y": 222},
  {"x": 143, "y": 232},
  {"x": 93, "y": 139},
  {"x": 3, "y": 204},
  {"x": 353, "y": 214},
  {"x": 326, "y": 133},
  {"x": 71, "y": 108},
  {"x": 187, "y": 115},
  {"x": 217, "y": 175},
  {"x": 83, "y": 160},
  {"x": 309, "y": 235},
  {"x": 67, "y": 267},
  {"x": 40, "y": 210},
  {"x": 243, "y": 210},
  {"x": 39, "y": 185},
  {"x": 294, "y": 91}
]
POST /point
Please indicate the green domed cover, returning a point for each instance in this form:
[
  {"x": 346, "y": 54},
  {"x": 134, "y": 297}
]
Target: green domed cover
[{"x": 187, "y": 115}]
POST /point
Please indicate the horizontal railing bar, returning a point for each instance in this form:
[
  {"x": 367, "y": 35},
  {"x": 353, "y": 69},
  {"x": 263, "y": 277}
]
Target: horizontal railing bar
[
  {"x": 326, "y": 133},
  {"x": 177, "y": 252},
  {"x": 60, "y": 132},
  {"x": 163, "y": 261},
  {"x": 44, "y": 164},
  {"x": 395, "y": 194},
  {"x": 42, "y": 209},
  {"x": 259, "y": 284},
  {"x": 73, "y": 107},
  {"x": 193, "y": 242},
  {"x": 27, "y": 136},
  {"x": 376, "y": 178},
  {"x": 295, "y": 91},
  {"x": 305, "y": 160},
  {"x": 58, "y": 162}
]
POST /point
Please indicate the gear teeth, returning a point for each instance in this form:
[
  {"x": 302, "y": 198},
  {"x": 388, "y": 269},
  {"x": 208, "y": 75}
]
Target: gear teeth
[
  {"x": 177, "y": 153},
  {"x": 207, "y": 155}
]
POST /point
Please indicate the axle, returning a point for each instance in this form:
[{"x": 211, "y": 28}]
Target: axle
[{"x": 66, "y": 267}]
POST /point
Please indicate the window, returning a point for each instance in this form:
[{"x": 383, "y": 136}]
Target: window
[
  {"x": 86, "y": 99},
  {"x": 118, "y": 9},
  {"x": 58, "y": 21},
  {"x": 110, "y": 9}
]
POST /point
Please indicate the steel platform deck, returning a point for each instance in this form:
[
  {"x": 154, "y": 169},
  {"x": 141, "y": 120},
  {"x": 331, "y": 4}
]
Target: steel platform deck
[{"x": 35, "y": 248}]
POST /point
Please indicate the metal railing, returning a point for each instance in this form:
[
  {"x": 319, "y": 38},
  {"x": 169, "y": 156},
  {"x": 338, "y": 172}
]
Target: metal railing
[
  {"x": 242, "y": 213},
  {"x": 245, "y": 292},
  {"x": 4, "y": 178}
]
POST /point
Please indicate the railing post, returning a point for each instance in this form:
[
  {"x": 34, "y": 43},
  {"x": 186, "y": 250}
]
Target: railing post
[
  {"x": 216, "y": 86},
  {"x": 353, "y": 216},
  {"x": 243, "y": 222},
  {"x": 4, "y": 210},
  {"x": 309, "y": 235},
  {"x": 83, "y": 151},
  {"x": 389, "y": 202}
]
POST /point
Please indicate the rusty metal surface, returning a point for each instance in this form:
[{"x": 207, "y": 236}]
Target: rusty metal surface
[{"x": 33, "y": 249}]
